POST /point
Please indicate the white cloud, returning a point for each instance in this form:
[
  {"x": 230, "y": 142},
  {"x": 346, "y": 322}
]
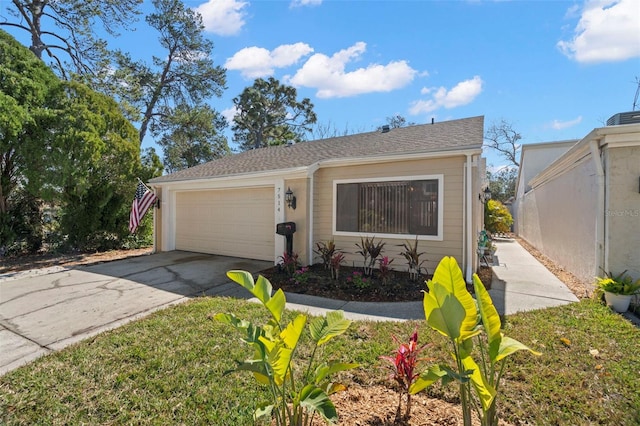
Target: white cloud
[
  {"x": 608, "y": 31},
  {"x": 229, "y": 113},
  {"x": 462, "y": 93},
  {"x": 223, "y": 17},
  {"x": 328, "y": 75},
  {"x": 300, "y": 3},
  {"x": 256, "y": 62},
  {"x": 560, "y": 125}
]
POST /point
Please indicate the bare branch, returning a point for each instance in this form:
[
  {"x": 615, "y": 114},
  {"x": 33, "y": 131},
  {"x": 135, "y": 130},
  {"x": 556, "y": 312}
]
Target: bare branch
[{"x": 504, "y": 139}]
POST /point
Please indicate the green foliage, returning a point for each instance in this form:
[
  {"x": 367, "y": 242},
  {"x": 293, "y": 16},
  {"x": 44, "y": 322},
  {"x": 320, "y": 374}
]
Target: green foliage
[
  {"x": 98, "y": 158},
  {"x": 412, "y": 255},
  {"x": 359, "y": 280},
  {"x": 618, "y": 284},
  {"x": 451, "y": 310},
  {"x": 168, "y": 368},
  {"x": 502, "y": 183},
  {"x": 73, "y": 149},
  {"x": 193, "y": 136},
  {"x": 268, "y": 113},
  {"x": 22, "y": 228},
  {"x": 497, "y": 218},
  {"x": 294, "y": 399},
  {"x": 369, "y": 250}
]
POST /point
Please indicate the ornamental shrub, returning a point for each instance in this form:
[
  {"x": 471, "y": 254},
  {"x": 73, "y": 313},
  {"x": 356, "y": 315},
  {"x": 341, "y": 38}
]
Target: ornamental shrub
[{"x": 497, "y": 218}]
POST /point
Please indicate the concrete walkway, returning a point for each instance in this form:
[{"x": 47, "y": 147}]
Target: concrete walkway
[{"x": 521, "y": 283}]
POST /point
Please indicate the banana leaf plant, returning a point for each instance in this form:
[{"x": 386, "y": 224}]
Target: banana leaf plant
[
  {"x": 295, "y": 396},
  {"x": 451, "y": 310}
]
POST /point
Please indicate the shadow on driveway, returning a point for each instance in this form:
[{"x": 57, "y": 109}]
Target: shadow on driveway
[{"x": 42, "y": 312}]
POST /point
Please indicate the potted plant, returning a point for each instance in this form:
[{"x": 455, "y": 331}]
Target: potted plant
[{"x": 617, "y": 290}]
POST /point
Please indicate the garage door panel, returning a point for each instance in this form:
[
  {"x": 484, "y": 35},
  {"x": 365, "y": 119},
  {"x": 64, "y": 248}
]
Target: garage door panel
[{"x": 237, "y": 222}]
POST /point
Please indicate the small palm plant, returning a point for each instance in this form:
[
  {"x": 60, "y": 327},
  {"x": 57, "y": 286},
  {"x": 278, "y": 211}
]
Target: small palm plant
[
  {"x": 370, "y": 251},
  {"x": 336, "y": 260},
  {"x": 412, "y": 255},
  {"x": 326, "y": 251}
]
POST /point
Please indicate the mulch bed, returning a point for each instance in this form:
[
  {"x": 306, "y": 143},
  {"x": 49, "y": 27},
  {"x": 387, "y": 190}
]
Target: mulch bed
[{"x": 397, "y": 288}]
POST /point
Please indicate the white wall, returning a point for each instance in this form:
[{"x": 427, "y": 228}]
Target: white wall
[
  {"x": 558, "y": 217},
  {"x": 622, "y": 214},
  {"x": 534, "y": 159}
]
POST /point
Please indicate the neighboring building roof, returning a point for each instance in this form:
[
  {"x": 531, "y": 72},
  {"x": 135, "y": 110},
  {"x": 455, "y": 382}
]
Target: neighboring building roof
[
  {"x": 535, "y": 157},
  {"x": 462, "y": 134}
]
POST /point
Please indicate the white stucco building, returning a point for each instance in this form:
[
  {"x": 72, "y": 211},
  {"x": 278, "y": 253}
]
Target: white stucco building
[{"x": 582, "y": 209}]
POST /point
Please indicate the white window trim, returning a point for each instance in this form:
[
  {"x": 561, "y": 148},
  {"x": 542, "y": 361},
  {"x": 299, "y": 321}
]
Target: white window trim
[{"x": 438, "y": 237}]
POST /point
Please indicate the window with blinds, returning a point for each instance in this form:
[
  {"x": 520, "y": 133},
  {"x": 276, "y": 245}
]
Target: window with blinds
[{"x": 395, "y": 207}]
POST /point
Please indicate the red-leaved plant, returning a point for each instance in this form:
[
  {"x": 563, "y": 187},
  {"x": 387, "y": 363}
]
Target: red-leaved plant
[{"x": 403, "y": 366}]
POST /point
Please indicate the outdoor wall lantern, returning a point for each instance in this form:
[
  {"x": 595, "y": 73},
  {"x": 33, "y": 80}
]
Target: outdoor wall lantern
[
  {"x": 485, "y": 195},
  {"x": 290, "y": 198}
]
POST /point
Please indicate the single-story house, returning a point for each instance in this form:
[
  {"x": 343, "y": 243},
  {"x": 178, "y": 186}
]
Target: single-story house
[
  {"x": 395, "y": 185},
  {"x": 583, "y": 209}
]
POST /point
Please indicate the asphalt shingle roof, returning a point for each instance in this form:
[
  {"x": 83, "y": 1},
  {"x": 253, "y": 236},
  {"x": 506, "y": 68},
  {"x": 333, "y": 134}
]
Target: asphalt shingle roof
[{"x": 451, "y": 135}]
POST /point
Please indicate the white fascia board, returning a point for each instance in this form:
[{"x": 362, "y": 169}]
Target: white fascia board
[
  {"x": 254, "y": 179},
  {"x": 340, "y": 162}
]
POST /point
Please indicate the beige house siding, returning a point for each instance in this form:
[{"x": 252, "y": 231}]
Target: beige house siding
[
  {"x": 300, "y": 216},
  {"x": 623, "y": 210},
  {"x": 452, "y": 170}
]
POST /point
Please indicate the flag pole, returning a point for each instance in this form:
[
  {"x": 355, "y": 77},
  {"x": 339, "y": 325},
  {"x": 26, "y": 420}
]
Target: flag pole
[{"x": 140, "y": 181}]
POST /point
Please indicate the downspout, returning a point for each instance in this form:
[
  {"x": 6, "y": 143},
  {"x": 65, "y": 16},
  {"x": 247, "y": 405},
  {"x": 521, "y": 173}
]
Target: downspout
[
  {"x": 469, "y": 222},
  {"x": 311, "y": 172},
  {"x": 464, "y": 217},
  {"x": 600, "y": 265},
  {"x": 310, "y": 219}
]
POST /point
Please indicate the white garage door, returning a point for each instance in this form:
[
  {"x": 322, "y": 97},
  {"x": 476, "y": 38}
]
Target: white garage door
[{"x": 238, "y": 222}]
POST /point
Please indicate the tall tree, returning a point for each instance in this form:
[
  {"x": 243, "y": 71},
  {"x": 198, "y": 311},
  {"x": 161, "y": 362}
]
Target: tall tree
[
  {"x": 502, "y": 183},
  {"x": 26, "y": 85},
  {"x": 71, "y": 146},
  {"x": 268, "y": 113},
  {"x": 64, "y": 32},
  {"x": 184, "y": 75},
  {"x": 193, "y": 137},
  {"x": 504, "y": 139}
]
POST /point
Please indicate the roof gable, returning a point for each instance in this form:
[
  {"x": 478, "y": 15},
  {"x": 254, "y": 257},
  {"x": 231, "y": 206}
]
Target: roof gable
[{"x": 454, "y": 135}]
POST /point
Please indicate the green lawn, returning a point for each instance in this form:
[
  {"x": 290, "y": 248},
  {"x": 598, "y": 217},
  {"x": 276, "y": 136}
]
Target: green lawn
[{"x": 168, "y": 369}]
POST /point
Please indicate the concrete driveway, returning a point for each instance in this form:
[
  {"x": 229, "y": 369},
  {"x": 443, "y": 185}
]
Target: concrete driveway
[{"x": 45, "y": 310}]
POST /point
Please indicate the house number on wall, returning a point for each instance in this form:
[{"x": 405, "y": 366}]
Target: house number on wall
[{"x": 278, "y": 199}]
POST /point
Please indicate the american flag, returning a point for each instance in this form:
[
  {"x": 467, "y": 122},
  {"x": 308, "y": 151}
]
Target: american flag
[{"x": 141, "y": 202}]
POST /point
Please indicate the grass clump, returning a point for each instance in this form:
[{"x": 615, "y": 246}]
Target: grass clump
[{"x": 168, "y": 369}]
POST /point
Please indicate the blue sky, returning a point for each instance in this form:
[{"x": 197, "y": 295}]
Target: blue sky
[{"x": 554, "y": 69}]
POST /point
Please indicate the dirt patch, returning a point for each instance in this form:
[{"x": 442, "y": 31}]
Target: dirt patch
[
  {"x": 37, "y": 261},
  {"x": 377, "y": 406}
]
